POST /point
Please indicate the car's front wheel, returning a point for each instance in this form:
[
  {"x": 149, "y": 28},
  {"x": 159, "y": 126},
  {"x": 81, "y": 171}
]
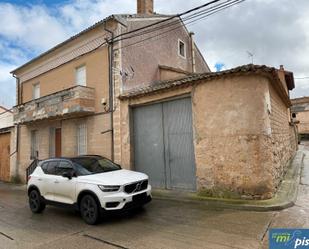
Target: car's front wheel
[
  {"x": 89, "y": 210},
  {"x": 35, "y": 202}
]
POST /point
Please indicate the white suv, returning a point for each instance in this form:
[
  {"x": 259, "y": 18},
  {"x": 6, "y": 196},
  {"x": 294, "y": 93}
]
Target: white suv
[{"x": 90, "y": 184}]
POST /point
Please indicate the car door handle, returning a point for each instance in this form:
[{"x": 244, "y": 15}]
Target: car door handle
[
  {"x": 56, "y": 182},
  {"x": 39, "y": 179}
]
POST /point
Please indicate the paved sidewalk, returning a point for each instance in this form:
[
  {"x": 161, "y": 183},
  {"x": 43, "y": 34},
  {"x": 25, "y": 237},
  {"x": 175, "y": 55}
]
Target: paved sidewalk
[{"x": 284, "y": 198}]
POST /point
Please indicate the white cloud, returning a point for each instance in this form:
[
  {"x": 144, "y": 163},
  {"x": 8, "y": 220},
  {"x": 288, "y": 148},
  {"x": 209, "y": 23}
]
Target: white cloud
[
  {"x": 7, "y": 85},
  {"x": 31, "y": 26},
  {"x": 275, "y": 33}
]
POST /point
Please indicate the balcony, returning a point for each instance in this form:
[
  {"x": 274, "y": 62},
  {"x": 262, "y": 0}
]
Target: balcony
[{"x": 72, "y": 102}]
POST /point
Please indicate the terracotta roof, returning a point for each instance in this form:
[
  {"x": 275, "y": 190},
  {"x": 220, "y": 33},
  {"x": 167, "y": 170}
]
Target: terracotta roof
[{"x": 193, "y": 78}]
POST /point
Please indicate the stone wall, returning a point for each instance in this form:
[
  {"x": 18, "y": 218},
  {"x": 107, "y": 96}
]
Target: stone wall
[
  {"x": 242, "y": 137},
  {"x": 283, "y": 139},
  {"x": 230, "y": 135}
]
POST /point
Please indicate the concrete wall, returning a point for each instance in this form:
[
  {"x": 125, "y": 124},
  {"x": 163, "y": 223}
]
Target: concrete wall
[{"x": 233, "y": 140}]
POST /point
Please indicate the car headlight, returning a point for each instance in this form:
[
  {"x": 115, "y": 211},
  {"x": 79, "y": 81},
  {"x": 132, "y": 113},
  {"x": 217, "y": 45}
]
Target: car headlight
[{"x": 106, "y": 188}]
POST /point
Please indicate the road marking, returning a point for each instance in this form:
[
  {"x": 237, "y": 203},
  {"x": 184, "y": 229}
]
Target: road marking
[
  {"x": 7, "y": 236},
  {"x": 104, "y": 241}
]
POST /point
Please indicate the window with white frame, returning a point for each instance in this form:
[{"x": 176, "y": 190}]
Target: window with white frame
[
  {"x": 80, "y": 75},
  {"x": 34, "y": 145},
  {"x": 81, "y": 139},
  {"x": 36, "y": 91},
  {"x": 181, "y": 49}
]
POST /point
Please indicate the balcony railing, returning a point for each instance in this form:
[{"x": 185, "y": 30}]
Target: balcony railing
[{"x": 72, "y": 102}]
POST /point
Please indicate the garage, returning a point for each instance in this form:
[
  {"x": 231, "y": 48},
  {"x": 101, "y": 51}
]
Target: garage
[
  {"x": 163, "y": 144},
  {"x": 5, "y": 140}
]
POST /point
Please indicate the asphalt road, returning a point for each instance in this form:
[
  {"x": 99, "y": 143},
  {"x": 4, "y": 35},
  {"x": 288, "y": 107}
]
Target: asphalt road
[{"x": 162, "y": 224}]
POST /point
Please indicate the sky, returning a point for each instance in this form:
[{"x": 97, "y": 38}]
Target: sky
[{"x": 274, "y": 34}]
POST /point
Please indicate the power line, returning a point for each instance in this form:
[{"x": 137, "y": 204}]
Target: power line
[
  {"x": 154, "y": 24},
  {"x": 187, "y": 24},
  {"x": 201, "y": 14},
  {"x": 302, "y": 78},
  {"x": 168, "y": 19}
]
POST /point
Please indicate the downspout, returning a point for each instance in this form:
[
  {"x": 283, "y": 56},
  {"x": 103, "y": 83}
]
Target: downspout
[
  {"x": 111, "y": 86},
  {"x": 17, "y": 129},
  {"x": 193, "y": 52}
]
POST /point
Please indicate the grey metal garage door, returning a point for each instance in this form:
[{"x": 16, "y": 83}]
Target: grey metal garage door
[{"x": 163, "y": 144}]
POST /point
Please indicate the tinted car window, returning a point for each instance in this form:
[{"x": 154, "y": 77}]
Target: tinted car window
[
  {"x": 51, "y": 168},
  {"x": 64, "y": 167},
  {"x": 44, "y": 167},
  {"x": 90, "y": 165}
]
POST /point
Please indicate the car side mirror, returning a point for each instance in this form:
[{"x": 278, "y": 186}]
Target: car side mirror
[{"x": 67, "y": 175}]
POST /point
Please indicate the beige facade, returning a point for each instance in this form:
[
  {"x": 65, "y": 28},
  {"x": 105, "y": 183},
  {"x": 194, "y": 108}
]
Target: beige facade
[
  {"x": 242, "y": 136},
  {"x": 59, "y": 116},
  {"x": 64, "y": 105},
  {"x": 300, "y": 109}
]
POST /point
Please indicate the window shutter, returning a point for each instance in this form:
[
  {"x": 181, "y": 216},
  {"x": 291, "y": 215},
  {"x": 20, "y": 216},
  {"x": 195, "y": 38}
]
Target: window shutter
[
  {"x": 81, "y": 76},
  {"x": 34, "y": 144},
  {"x": 36, "y": 91},
  {"x": 82, "y": 139}
]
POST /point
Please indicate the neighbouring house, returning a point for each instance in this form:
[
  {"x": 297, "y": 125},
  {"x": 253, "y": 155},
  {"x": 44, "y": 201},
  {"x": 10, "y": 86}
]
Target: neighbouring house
[
  {"x": 300, "y": 111},
  {"x": 7, "y": 145},
  {"x": 225, "y": 134},
  {"x": 67, "y": 101},
  {"x": 148, "y": 100}
]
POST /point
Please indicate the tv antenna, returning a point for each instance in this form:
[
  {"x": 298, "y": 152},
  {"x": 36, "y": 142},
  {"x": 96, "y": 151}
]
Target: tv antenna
[{"x": 250, "y": 55}]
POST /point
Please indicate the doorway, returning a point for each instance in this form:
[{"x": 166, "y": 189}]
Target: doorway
[
  {"x": 58, "y": 142},
  {"x": 163, "y": 144}
]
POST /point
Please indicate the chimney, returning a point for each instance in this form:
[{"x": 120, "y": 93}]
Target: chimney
[{"x": 145, "y": 7}]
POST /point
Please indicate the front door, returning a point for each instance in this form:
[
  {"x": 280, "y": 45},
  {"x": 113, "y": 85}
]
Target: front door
[
  {"x": 58, "y": 142},
  {"x": 5, "y": 139}
]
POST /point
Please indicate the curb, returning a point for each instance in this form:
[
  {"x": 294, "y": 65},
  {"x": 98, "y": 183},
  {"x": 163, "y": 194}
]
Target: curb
[{"x": 285, "y": 197}]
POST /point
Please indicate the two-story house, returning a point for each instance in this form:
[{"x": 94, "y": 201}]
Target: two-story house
[{"x": 67, "y": 97}]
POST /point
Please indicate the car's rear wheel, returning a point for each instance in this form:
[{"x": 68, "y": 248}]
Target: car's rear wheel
[
  {"x": 89, "y": 210},
  {"x": 35, "y": 202}
]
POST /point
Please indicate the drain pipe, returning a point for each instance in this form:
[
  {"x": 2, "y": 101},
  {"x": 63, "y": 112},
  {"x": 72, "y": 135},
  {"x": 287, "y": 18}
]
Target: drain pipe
[
  {"x": 193, "y": 52},
  {"x": 17, "y": 130},
  {"x": 111, "y": 86}
]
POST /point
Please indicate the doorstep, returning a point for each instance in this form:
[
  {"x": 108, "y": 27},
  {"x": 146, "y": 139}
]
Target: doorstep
[{"x": 284, "y": 198}]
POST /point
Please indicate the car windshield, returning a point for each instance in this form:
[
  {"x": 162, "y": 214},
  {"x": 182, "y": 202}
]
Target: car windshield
[{"x": 90, "y": 165}]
